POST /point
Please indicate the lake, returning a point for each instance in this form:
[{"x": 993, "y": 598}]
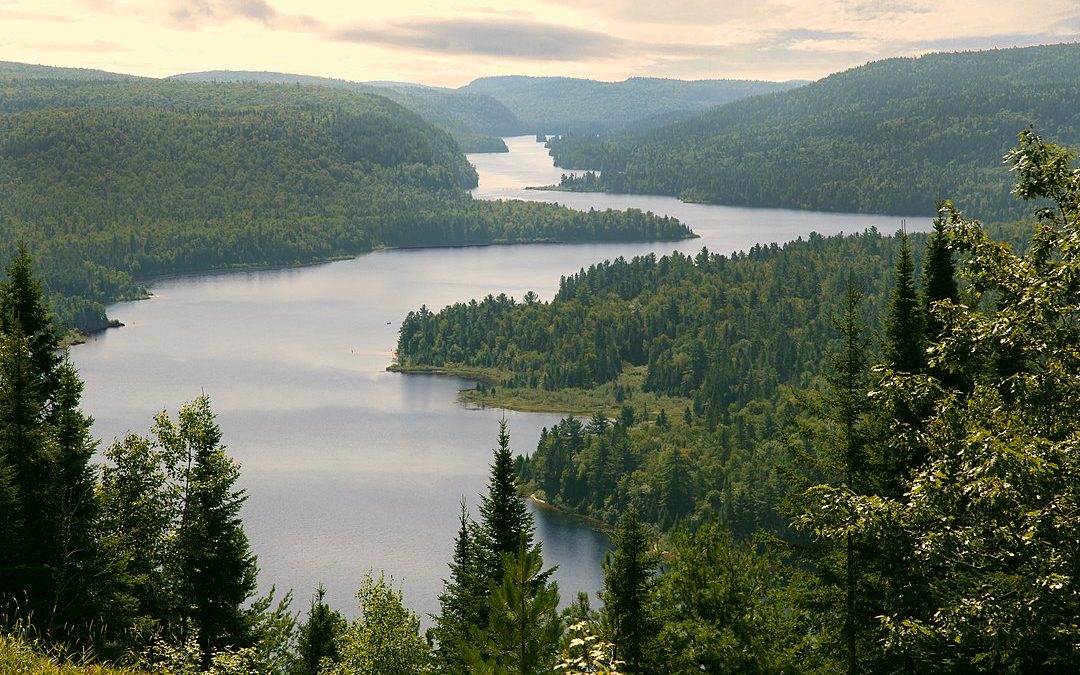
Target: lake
[{"x": 349, "y": 468}]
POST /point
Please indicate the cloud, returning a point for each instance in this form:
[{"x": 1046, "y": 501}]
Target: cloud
[
  {"x": 514, "y": 39},
  {"x": 16, "y": 15}
]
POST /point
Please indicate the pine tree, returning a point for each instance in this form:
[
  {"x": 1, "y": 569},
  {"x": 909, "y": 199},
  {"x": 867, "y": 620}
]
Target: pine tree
[
  {"x": 463, "y": 602},
  {"x": 628, "y": 579},
  {"x": 524, "y": 625},
  {"x": 839, "y": 466},
  {"x": 505, "y": 521},
  {"x": 939, "y": 275},
  {"x": 23, "y": 309},
  {"x": 211, "y": 565},
  {"x": 319, "y": 636},
  {"x": 904, "y": 350}
]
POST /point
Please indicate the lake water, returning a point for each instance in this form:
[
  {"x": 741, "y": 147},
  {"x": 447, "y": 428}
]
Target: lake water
[{"x": 349, "y": 468}]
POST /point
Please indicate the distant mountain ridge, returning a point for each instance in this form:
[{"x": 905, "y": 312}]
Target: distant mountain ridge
[
  {"x": 886, "y": 137},
  {"x": 558, "y": 105},
  {"x": 474, "y": 120}
]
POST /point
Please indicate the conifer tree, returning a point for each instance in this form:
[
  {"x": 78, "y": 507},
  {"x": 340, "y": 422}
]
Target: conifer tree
[
  {"x": 319, "y": 636},
  {"x": 524, "y": 624},
  {"x": 463, "y": 602},
  {"x": 23, "y": 308},
  {"x": 211, "y": 566},
  {"x": 504, "y": 520},
  {"x": 904, "y": 349},
  {"x": 629, "y": 571},
  {"x": 939, "y": 274}
]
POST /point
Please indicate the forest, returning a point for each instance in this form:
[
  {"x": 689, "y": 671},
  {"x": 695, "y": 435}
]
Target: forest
[
  {"x": 566, "y": 105},
  {"x": 112, "y": 183},
  {"x": 874, "y": 470},
  {"x": 475, "y": 121},
  {"x": 892, "y": 136}
]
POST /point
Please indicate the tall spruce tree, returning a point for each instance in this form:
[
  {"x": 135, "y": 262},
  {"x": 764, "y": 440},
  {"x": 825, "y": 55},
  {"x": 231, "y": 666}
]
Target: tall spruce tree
[
  {"x": 211, "y": 564},
  {"x": 46, "y": 448},
  {"x": 524, "y": 626},
  {"x": 939, "y": 274},
  {"x": 504, "y": 520},
  {"x": 319, "y": 636},
  {"x": 838, "y": 463},
  {"x": 463, "y": 602},
  {"x": 905, "y": 347},
  {"x": 629, "y": 576}
]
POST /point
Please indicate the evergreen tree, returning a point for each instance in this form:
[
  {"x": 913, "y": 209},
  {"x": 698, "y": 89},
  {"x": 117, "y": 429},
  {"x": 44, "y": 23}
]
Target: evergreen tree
[
  {"x": 504, "y": 520},
  {"x": 524, "y": 627},
  {"x": 211, "y": 566},
  {"x": 904, "y": 348},
  {"x": 990, "y": 515},
  {"x": 838, "y": 435},
  {"x": 628, "y": 579},
  {"x": 75, "y": 507},
  {"x": 319, "y": 636},
  {"x": 23, "y": 309},
  {"x": 939, "y": 274},
  {"x": 463, "y": 602}
]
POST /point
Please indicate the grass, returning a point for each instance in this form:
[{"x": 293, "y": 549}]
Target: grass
[{"x": 608, "y": 398}]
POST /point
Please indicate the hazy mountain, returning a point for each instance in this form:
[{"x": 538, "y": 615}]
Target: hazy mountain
[
  {"x": 889, "y": 137},
  {"x": 557, "y": 105}
]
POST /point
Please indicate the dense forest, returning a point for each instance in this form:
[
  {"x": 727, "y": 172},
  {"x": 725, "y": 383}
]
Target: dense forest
[
  {"x": 562, "y": 105},
  {"x": 891, "y": 137},
  {"x": 475, "y": 121},
  {"x": 109, "y": 182},
  {"x": 923, "y": 514}
]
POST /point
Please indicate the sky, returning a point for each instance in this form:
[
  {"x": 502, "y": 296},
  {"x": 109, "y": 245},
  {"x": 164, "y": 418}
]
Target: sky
[{"x": 453, "y": 42}]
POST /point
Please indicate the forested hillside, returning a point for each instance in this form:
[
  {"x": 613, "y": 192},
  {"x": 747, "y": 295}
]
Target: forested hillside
[
  {"x": 561, "y": 105},
  {"x": 888, "y": 137},
  {"x": 107, "y": 182},
  {"x": 474, "y": 120},
  {"x": 726, "y": 338}
]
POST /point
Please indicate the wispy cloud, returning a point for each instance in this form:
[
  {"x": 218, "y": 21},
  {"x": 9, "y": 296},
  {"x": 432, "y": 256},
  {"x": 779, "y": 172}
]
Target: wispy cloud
[
  {"x": 16, "y": 15},
  {"x": 516, "y": 39}
]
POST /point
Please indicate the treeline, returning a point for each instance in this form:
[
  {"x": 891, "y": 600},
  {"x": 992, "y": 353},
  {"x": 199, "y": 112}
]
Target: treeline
[
  {"x": 889, "y": 137},
  {"x": 561, "y": 105},
  {"x": 474, "y": 120},
  {"x": 923, "y": 481},
  {"x": 112, "y": 182}
]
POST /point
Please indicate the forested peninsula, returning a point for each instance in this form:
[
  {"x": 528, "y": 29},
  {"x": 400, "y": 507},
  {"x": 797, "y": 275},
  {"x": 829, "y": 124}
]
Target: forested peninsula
[
  {"x": 890, "y": 137},
  {"x": 110, "y": 182}
]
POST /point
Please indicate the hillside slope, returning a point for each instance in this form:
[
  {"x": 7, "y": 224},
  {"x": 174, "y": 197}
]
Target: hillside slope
[
  {"x": 558, "y": 105},
  {"x": 474, "y": 120},
  {"x": 887, "y": 137}
]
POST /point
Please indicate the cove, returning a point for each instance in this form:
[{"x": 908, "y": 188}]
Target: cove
[{"x": 349, "y": 468}]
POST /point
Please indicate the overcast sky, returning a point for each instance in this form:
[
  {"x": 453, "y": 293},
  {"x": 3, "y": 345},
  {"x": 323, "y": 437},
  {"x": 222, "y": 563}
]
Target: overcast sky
[{"x": 450, "y": 43}]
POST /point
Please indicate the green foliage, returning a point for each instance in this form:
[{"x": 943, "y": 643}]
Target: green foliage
[
  {"x": 384, "y": 639},
  {"x": 474, "y": 120},
  {"x": 319, "y": 637},
  {"x": 720, "y": 608},
  {"x": 523, "y": 621},
  {"x": 181, "y": 561},
  {"x": 560, "y": 105},
  {"x": 108, "y": 183},
  {"x": 989, "y": 520},
  {"x": 46, "y": 483},
  {"x": 628, "y": 581},
  {"x": 730, "y": 335},
  {"x": 888, "y": 137}
]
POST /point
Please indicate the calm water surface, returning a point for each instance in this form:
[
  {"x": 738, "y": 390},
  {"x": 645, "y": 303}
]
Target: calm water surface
[{"x": 349, "y": 468}]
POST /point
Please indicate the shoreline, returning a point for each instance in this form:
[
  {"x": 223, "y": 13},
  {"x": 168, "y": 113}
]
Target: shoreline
[{"x": 592, "y": 521}]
